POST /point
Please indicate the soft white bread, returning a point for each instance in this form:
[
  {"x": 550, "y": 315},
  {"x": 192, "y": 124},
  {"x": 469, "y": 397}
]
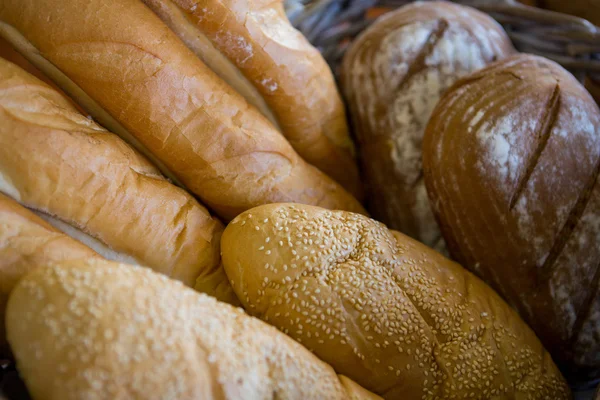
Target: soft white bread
[
  {"x": 90, "y": 184},
  {"x": 393, "y": 76},
  {"x": 102, "y": 330},
  {"x": 141, "y": 82},
  {"x": 384, "y": 310},
  {"x": 512, "y": 157},
  {"x": 252, "y": 46},
  {"x": 26, "y": 242}
]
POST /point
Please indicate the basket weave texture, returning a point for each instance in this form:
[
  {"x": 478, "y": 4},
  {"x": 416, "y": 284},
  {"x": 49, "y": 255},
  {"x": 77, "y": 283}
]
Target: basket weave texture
[{"x": 571, "y": 41}]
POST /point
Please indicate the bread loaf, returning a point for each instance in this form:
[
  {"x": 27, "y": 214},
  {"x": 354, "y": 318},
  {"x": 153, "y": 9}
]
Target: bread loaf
[
  {"x": 88, "y": 183},
  {"x": 26, "y": 242},
  {"x": 141, "y": 82},
  {"x": 252, "y": 46},
  {"x": 101, "y": 330},
  {"x": 384, "y": 310},
  {"x": 393, "y": 75},
  {"x": 511, "y": 159}
]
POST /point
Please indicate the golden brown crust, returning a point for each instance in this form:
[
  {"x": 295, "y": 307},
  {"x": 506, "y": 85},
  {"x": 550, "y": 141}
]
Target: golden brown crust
[
  {"x": 218, "y": 146},
  {"x": 28, "y": 242},
  {"x": 511, "y": 157},
  {"x": 386, "y": 311},
  {"x": 108, "y": 331},
  {"x": 55, "y": 160},
  {"x": 289, "y": 74},
  {"x": 393, "y": 75}
]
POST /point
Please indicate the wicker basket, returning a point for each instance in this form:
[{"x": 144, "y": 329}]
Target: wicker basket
[{"x": 573, "y": 42}]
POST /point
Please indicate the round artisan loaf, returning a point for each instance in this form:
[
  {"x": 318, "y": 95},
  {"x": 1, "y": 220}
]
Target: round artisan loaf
[
  {"x": 91, "y": 185},
  {"x": 511, "y": 157},
  {"x": 26, "y": 242},
  {"x": 253, "y": 47},
  {"x": 140, "y": 81},
  {"x": 384, "y": 310},
  {"x": 101, "y": 330},
  {"x": 393, "y": 75}
]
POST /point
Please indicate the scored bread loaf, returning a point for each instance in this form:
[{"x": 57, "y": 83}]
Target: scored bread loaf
[
  {"x": 90, "y": 184},
  {"x": 101, "y": 330},
  {"x": 26, "y": 242},
  {"x": 142, "y": 83},
  {"x": 252, "y": 46},
  {"x": 393, "y": 75},
  {"x": 384, "y": 310},
  {"x": 511, "y": 156}
]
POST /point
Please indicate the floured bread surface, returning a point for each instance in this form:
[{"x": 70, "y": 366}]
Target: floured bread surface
[
  {"x": 512, "y": 157},
  {"x": 384, "y": 310},
  {"x": 254, "y": 48},
  {"x": 101, "y": 330},
  {"x": 60, "y": 163},
  {"x": 393, "y": 76}
]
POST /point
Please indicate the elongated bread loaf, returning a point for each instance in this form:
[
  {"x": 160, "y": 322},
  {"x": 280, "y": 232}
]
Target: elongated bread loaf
[
  {"x": 393, "y": 76},
  {"x": 252, "y": 46},
  {"x": 141, "y": 82},
  {"x": 90, "y": 184},
  {"x": 107, "y": 331},
  {"x": 384, "y": 310},
  {"x": 26, "y": 242},
  {"x": 512, "y": 156}
]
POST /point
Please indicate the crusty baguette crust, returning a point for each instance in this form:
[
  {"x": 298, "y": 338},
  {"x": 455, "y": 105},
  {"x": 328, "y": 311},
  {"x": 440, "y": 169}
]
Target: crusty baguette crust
[
  {"x": 294, "y": 83},
  {"x": 55, "y": 160},
  {"x": 384, "y": 310},
  {"x": 393, "y": 75},
  {"x": 219, "y": 147},
  {"x": 108, "y": 331},
  {"x": 28, "y": 242},
  {"x": 511, "y": 156}
]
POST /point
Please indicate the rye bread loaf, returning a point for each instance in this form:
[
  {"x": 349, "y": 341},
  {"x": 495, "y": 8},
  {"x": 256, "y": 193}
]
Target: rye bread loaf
[
  {"x": 393, "y": 75},
  {"x": 511, "y": 159}
]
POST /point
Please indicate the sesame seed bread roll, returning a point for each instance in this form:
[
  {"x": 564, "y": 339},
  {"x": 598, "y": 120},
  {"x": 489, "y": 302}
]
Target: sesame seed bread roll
[
  {"x": 511, "y": 156},
  {"x": 141, "y": 82},
  {"x": 386, "y": 311},
  {"x": 393, "y": 75},
  {"x": 253, "y": 47},
  {"x": 91, "y": 185},
  {"x": 26, "y": 242},
  {"x": 102, "y": 330}
]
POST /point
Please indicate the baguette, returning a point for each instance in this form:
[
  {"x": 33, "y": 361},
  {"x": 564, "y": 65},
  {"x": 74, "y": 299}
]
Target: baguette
[
  {"x": 101, "y": 330},
  {"x": 252, "y": 46},
  {"x": 393, "y": 75},
  {"x": 386, "y": 311},
  {"x": 91, "y": 185},
  {"x": 27, "y": 241},
  {"x": 142, "y": 83},
  {"x": 512, "y": 156}
]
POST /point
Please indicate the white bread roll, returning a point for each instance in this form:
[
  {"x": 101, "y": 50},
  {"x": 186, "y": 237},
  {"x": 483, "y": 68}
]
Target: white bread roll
[
  {"x": 512, "y": 159},
  {"x": 384, "y": 310},
  {"x": 102, "y": 330},
  {"x": 393, "y": 75},
  {"x": 90, "y": 184},
  {"x": 26, "y": 242},
  {"x": 253, "y": 47},
  {"x": 135, "y": 76}
]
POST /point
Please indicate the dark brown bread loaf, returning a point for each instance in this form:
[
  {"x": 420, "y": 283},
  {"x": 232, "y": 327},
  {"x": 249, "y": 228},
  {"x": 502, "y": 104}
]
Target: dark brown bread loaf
[
  {"x": 511, "y": 159},
  {"x": 393, "y": 76}
]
